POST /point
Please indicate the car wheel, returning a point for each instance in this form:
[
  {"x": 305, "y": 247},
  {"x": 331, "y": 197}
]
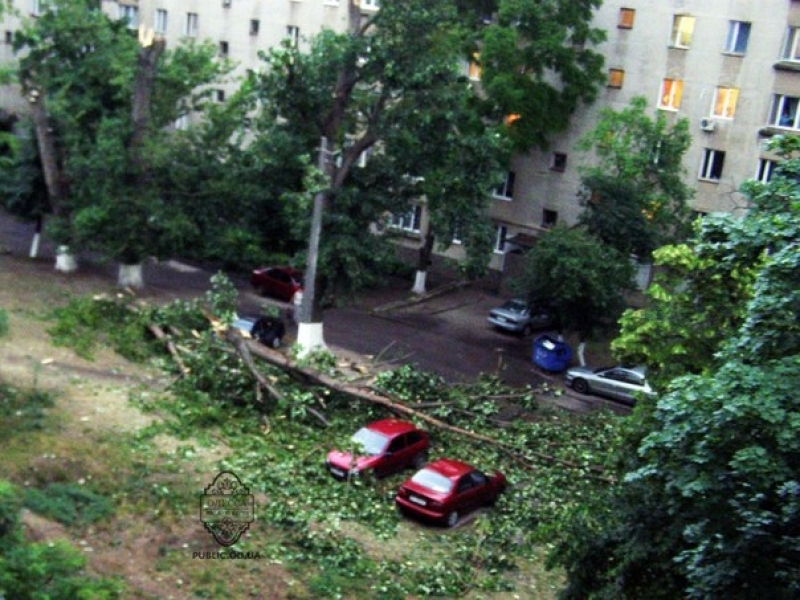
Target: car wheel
[
  {"x": 452, "y": 519},
  {"x": 420, "y": 460},
  {"x": 261, "y": 290},
  {"x": 580, "y": 386}
]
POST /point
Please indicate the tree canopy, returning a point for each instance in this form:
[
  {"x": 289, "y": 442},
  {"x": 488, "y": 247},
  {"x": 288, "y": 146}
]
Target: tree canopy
[
  {"x": 633, "y": 192},
  {"x": 710, "y": 501}
]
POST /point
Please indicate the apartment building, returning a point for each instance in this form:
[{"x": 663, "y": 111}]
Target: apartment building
[{"x": 731, "y": 67}]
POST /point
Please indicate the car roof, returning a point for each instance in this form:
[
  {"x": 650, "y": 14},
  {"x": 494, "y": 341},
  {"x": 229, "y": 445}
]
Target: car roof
[
  {"x": 450, "y": 468},
  {"x": 392, "y": 427}
]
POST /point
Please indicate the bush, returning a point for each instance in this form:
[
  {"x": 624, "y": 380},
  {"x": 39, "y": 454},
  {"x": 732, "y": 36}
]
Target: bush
[
  {"x": 3, "y": 322},
  {"x": 68, "y": 503}
]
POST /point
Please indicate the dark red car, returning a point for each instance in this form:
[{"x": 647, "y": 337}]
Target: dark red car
[
  {"x": 446, "y": 489},
  {"x": 279, "y": 282},
  {"x": 381, "y": 448}
]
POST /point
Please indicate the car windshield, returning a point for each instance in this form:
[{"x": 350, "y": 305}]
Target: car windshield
[
  {"x": 371, "y": 441},
  {"x": 515, "y": 306},
  {"x": 433, "y": 481}
]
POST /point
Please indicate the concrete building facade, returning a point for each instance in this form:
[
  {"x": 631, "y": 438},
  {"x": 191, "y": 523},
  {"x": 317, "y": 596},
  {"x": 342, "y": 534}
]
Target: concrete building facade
[{"x": 731, "y": 67}]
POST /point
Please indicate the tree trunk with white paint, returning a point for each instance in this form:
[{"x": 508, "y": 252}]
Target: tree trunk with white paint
[
  {"x": 65, "y": 260},
  {"x": 581, "y": 351},
  {"x": 419, "y": 282},
  {"x": 310, "y": 338},
  {"x": 131, "y": 276}
]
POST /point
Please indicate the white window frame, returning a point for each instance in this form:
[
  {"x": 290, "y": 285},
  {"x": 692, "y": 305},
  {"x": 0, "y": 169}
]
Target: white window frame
[
  {"x": 778, "y": 106},
  {"x": 501, "y": 239},
  {"x": 766, "y": 169},
  {"x": 409, "y": 221},
  {"x": 505, "y": 191},
  {"x": 709, "y": 165},
  {"x": 791, "y": 47},
  {"x": 682, "y": 28},
  {"x": 161, "y": 20},
  {"x": 675, "y": 94},
  {"x": 192, "y": 24},
  {"x": 39, "y": 7},
  {"x": 255, "y": 27},
  {"x": 727, "y": 109},
  {"x": 293, "y": 34},
  {"x": 736, "y": 31},
  {"x": 181, "y": 123},
  {"x": 370, "y": 5},
  {"x": 130, "y": 14}
]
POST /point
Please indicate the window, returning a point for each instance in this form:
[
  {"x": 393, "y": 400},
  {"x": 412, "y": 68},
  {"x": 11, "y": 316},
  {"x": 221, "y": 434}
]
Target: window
[
  {"x": 500, "y": 239},
  {"x": 226, "y": 3},
  {"x": 682, "y": 29},
  {"x": 293, "y": 33},
  {"x": 549, "y": 218},
  {"x": 671, "y": 92},
  {"x": 738, "y": 36},
  {"x": 182, "y": 122},
  {"x": 559, "y": 162},
  {"x": 130, "y": 14},
  {"x": 506, "y": 189},
  {"x": 725, "y": 102},
  {"x": 711, "y": 168},
  {"x": 615, "y": 78},
  {"x": 191, "y": 24},
  {"x": 220, "y": 95},
  {"x": 161, "y": 21},
  {"x": 766, "y": 168},
  {"x": 474, "y": 69},
  {"x": 791, "y": 49},
  {"x": 409, "y": 221},
  {"x": 39, "y": 6},
  {"x": 9, "y": 37},
  {"x": 784, "y": 112},
  {"x": 223, "y": 49},
  {"x": 254, "y": 25},
  {"x": 370, "y": 5},
  {"x": 626, "y": 18}
]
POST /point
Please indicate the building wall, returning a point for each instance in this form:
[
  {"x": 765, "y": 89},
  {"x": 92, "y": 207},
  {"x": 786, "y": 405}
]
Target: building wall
[{"x": 646, "y": 55}]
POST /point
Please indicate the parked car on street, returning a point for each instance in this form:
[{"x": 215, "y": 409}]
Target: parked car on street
[
  {"x": 381, "y": 448},
  {"x": 266, "y": 330},
  {"x": 447, "y": 489},
  {"x": 519, "y": 316},
  {"x": 620, "y": 383},
  {"x": 278, "y": 282}
]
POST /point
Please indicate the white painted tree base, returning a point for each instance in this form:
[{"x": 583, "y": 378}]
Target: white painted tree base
[
  {"x": 581, "y": 355},
  {"x": 130, "y": 276},
  {"x": 419, "y": 282},
  {"x": 65, "y": 261},
  {"x": 37, "y": 238},
  {"x": 310, "y": 338}
]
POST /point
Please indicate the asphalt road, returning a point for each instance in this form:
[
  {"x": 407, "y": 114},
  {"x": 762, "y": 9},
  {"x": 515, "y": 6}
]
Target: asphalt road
[{"x": 447, "y": 334}]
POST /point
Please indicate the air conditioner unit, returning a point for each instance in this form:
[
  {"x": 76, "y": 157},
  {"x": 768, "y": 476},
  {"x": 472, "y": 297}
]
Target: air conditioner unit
[{"x": 707, "y": 124}]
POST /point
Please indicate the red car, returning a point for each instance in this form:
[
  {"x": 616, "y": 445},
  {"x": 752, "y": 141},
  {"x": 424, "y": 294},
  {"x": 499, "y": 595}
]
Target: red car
[
  {"x": 279, "y": 282},
  {"x": 383, "y": 447},
  {"x": 446, "y": 489}
]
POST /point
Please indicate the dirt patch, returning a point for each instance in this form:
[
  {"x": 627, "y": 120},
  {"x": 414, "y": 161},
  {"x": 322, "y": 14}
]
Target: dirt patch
[{"x": 156, "y": 552}]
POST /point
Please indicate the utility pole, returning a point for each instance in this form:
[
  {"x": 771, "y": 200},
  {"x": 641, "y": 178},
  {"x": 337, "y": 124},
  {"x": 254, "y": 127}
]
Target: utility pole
[{"x": 309, "y": 329}]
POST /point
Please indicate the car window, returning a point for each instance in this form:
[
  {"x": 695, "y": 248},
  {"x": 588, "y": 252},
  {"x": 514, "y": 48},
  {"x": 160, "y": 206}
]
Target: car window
[
  {"x": 464, "y": 484},
  {"x": 432, "y": 480},
  {"x": 413, "y": 437},
  {"x": 478, "y": 478},
  {"x": 397, "y": 444},
  {"x": 371, "y": 441},
  {"x": 515, "y": 306},
  {"x": 616, "y": 375}
]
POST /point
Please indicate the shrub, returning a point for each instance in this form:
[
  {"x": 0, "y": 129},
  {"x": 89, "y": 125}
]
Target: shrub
[{"x": 68, "y": 503}]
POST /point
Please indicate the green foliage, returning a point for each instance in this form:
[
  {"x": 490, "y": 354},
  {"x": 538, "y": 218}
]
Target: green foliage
[
  {"x": 23, "y": 410},
  {"x": 3, "y": 322},
  {"x": 582, "y": 279},
  {"x": 634, "y": 194},
  {"x": 68, "y": 503},
  {"x": 30, "y": 571},
  {"x": 710, "y": 502},
  {"x": 537, "y": 62}
]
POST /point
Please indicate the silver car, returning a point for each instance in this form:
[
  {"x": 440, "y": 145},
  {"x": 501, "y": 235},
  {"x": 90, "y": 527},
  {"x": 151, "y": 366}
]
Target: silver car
[
  {"x": 517, "y": 316},
  {"x": 620, "y": 383}
]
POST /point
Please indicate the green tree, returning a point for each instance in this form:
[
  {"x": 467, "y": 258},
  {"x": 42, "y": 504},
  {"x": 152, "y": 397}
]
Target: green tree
[
  {"x": 634, "y": 194},
  {"x": 579, "y": 277},
  {"x": 710, "y": 501},
  {"x": 537, "y": 64}
]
